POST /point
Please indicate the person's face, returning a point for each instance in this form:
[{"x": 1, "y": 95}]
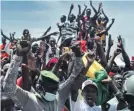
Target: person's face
[
  {"x": 72, "y": 18},
  {"x": 63, "y": 19},
  {"x": 99, "y": 19},
  {"x": 77, "y": 49},
  {"x": 119, "y": 80},
  {"x": 90, "y": 95},
  {"x": 88, "y": 12},
  {"x": 90, "y": 44},
  {"x": 52, "y": 43},
  {"x": 91, "y": 56},
  {"x": 26, "y": 36},
  {"x": 34, "y": 48}
]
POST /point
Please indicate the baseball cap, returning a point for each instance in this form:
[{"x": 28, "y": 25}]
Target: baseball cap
[{"x": 88, "y": 82}]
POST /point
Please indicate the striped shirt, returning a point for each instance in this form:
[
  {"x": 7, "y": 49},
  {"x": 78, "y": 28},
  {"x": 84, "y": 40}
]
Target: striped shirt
[
  {"x": 63, "y": 28},
  {"x": 72, "y": 30}
]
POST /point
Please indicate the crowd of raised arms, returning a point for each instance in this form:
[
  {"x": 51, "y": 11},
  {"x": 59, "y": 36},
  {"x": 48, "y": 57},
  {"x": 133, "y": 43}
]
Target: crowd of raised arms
[{"x": 79, "y": 74}]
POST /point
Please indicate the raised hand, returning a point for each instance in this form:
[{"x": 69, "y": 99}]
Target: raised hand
[
  {"x": 90, "y": 2},
  {"x": 72, "y": 6},
  {"x": 113, "y": 19},
  {"x": 85, "y": 6},
  {"x": 23, "y": 48},
  {"x": 110, "y": 41},
  {"x": 100, "y": 4},
  {"x": 120, "y": 44},
  {"x": 2, "y": 32},
  {"x": 79, "y": 6}
]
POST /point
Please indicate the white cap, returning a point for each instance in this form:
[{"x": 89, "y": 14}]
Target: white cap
[{"x": 88, "y": 82}]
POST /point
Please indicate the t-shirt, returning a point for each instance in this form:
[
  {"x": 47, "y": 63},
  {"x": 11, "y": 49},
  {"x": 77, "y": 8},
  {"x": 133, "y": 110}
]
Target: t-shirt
[
  {"x": 113, "y": 104},
  {"x": 2, "y": 46},
  {"x": 63, "y": 28},
  {"x": 72, "y": 30},
  {"x": 87, "y": 23},
  {"x": 82, "y": 106}
]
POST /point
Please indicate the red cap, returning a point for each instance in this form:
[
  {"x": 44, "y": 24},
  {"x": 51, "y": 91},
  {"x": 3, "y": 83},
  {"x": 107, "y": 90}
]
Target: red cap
[{"x": 111, "y": 74}]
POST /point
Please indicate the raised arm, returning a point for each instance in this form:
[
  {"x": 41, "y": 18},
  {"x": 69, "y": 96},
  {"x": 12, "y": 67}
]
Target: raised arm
[
  {"x": 96, "y": 15},
  {"x": 111, "y": 61},
  {"x": 101, "y": 52},
  {"x": 95, "y": 11},
  {"x": 107, "y": 29},
  {"x": 4, "y": 35},
  {"x": 79, "y": 9},
  {"x": 100, "y": 6},
  {"x": 26, "y": 78},
  {"x": 10, "y": 86},
  {"x": 45, "y": 37},
  {"x": 71, "y": 8},
  {"x": 83, "y": 13},
  {"x": 57, "y": 65},
  {"x": 12, "y": 38},
  {"x": 110, "y": 44},
  {"x": 49, "y": 28},
  {"x": 124, "y": 54},
  {"x": 106, "y": 18}
]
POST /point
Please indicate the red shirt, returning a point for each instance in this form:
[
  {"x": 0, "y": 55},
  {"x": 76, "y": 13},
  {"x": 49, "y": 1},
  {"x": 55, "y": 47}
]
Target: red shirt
[
  {"x": 83, "y": 45},
  {"x": 2, "y": 46},
  {"x": 4, "y": 55}
]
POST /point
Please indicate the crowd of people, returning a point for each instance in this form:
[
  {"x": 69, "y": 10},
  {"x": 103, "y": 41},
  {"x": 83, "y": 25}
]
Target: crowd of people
[{"x": 79, "y": 74}]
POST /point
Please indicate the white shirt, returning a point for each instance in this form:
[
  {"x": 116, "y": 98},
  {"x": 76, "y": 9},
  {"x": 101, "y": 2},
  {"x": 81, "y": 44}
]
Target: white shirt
[
  {"x": 113, "y": 104},
  {"x": 84, "y": 107}
]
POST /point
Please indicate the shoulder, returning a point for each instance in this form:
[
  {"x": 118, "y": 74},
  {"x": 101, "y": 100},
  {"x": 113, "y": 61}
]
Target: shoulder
[{"x": 113, "y": 104}]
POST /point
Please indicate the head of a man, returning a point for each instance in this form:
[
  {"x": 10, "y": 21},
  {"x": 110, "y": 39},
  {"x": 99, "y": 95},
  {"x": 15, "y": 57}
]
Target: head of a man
[
  {"x": 63, "y": 18},
  {"x": 47, "y": 85},
  {"x": 118, "y": 80},
  {"x": 99, "y": 20},
  {"x": 52, "y": 42},
  {"x": 76, "y": 48},
  {"x": 89, "y": 92},
  {"x": 72, "y": 17},
  {"x": 88, "y": 12},
  {"x": 35, "y": 47},
  {"x": 26, "y": 34}
]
